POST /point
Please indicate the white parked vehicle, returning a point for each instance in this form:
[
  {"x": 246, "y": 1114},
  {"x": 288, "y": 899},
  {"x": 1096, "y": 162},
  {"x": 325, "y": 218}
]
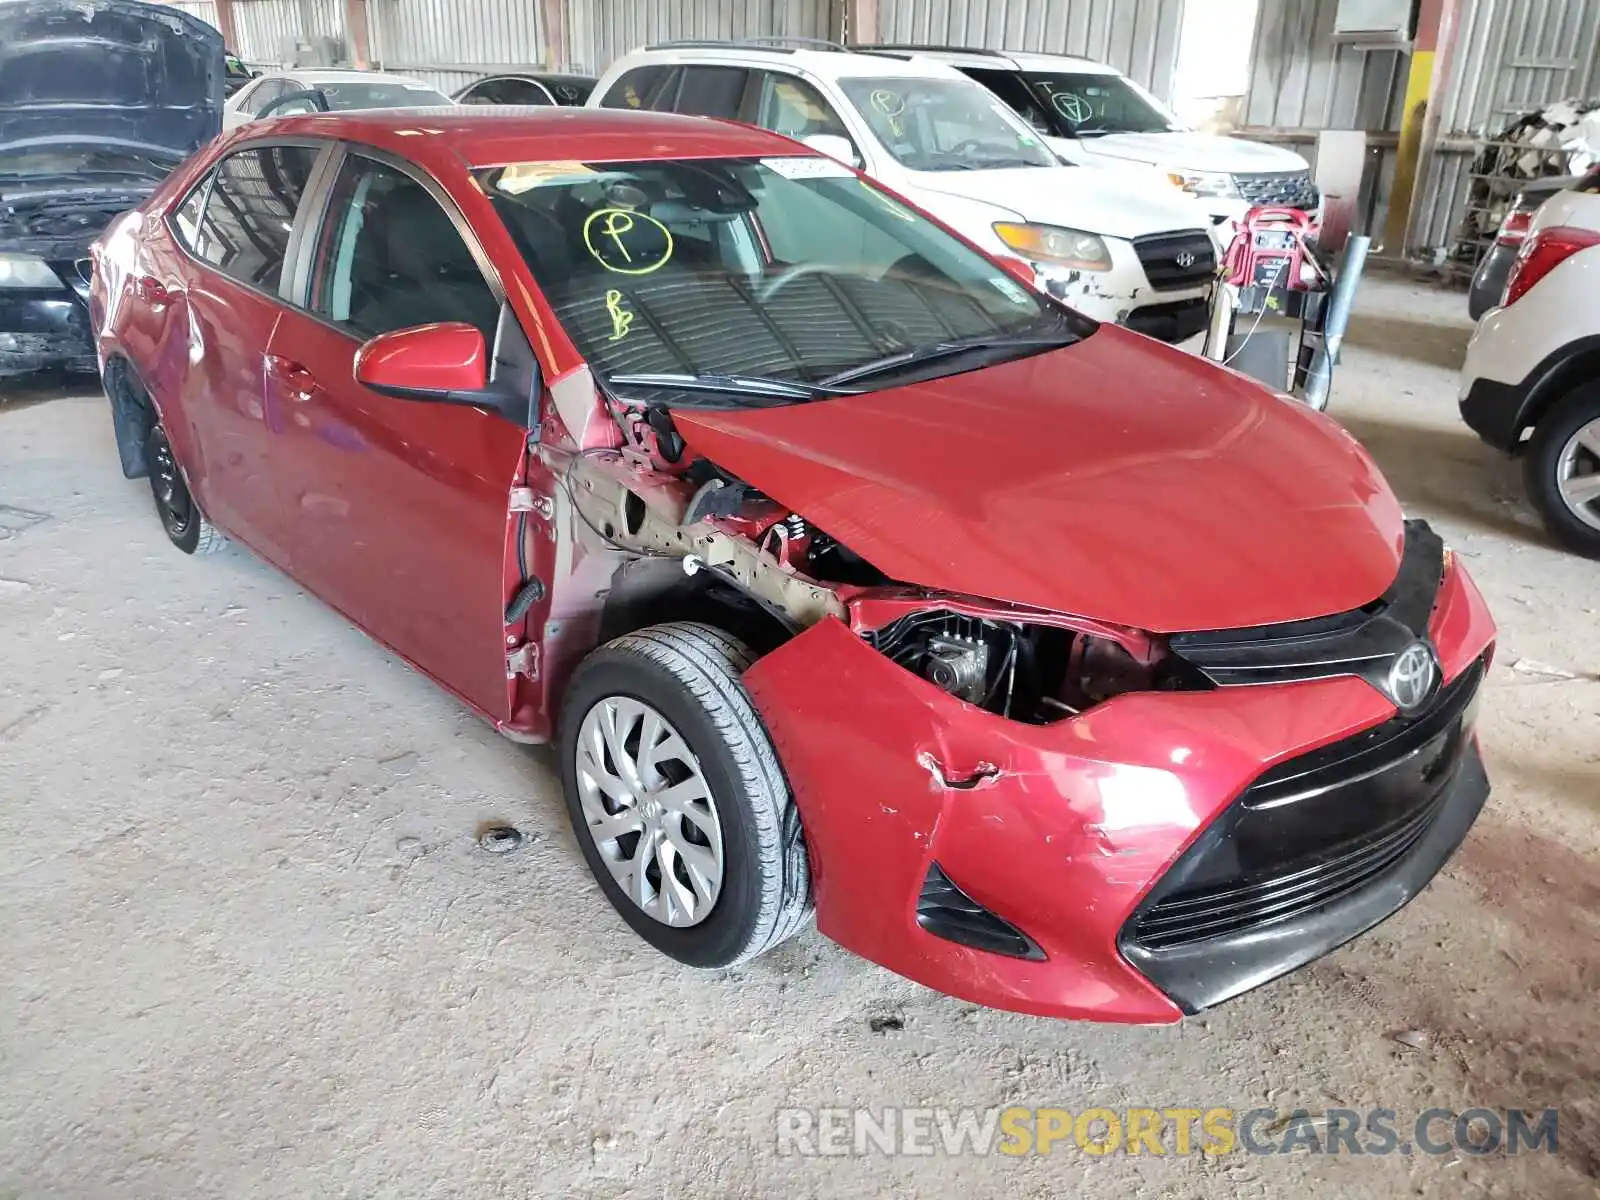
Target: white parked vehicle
[
  {"x": 1135, "y": 251},
  {"x": 1531, "y": 383},
  {"x": 1092, "y": 113},
  {"x": 344, "y": 90}
]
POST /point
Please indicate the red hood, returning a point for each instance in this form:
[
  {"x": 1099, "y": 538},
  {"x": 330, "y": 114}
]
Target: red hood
[{"x": 1117, "y": 479}]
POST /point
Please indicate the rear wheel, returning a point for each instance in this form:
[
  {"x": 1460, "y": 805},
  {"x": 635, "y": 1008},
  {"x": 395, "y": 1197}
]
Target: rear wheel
[
  {"x": 677, "y": 798},
  {"x": 1562, "y": 470},
  {"x": 186, "y": 525}
]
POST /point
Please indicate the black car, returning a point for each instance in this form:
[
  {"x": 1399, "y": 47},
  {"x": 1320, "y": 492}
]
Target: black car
[
  {"x": 1489, "y": 281},
  {"x": 533, "y": 87},
  {"x": 99, "y": 101}
]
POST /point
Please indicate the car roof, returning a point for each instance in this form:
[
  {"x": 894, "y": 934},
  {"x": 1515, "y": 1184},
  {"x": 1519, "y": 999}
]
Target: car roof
[
  {"x": 825, "y": 64},
  {"x": 1021, "y": 60},
  {"x": 493, "y": 135},
  {"x": 336, "y": 75}
]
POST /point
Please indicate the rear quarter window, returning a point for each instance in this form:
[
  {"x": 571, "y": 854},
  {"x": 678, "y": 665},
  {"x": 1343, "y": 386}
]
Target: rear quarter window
[{"x": 641, "y": 87}]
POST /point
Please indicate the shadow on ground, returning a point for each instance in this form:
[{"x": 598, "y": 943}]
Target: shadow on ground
[
  {"x": 18, "y": 390},
  {"x": 1432, "y": 343}
]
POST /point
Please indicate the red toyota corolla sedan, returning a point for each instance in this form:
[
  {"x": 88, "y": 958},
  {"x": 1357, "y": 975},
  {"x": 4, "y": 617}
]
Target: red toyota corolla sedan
[{"x": 1053, "y": 668}]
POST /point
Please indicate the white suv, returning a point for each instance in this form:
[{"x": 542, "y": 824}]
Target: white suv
[
  {"x": 1135, "y": 252},
  {"x": 1531, "y": 383},
  {"x": 1092, "y": 113}
]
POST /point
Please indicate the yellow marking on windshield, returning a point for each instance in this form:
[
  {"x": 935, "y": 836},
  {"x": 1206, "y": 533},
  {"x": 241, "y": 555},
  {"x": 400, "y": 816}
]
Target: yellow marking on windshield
[
  {"x": 621, "y": 318},
  {"x": 893, "y": 107},
  {"x": 622, "y": 253}
]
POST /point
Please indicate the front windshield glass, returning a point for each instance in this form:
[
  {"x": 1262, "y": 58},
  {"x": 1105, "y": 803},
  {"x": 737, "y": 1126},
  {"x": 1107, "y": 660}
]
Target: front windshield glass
[
  {"x": 343, "y": 96},
  {"x": 1099, "y": 104},
  {"x": 945, "y": 124},
  {"x": 741, "y": 281}
]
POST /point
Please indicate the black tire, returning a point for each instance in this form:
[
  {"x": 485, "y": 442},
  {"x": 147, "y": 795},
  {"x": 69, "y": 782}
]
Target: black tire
[
  {"x": 186, "y": 526},
  {"x": 689, "y": 673},
  {"x": 1542, "y": 471}
]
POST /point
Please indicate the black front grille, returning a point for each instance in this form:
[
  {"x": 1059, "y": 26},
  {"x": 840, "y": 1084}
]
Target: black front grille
[
  {"x": 1361, "y": 642},
  {"x": 1175, "y": 321},
  {"x": 1313, "y": 852},
  {"x": 1292, "y": 189},
  {"x": 1173, "y": 261}
]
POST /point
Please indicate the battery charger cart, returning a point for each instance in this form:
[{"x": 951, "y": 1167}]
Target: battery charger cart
[{"x": 1279, "y": 311}]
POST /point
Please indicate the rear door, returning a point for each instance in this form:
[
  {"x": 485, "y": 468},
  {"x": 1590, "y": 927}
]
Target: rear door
[
  {"x": 400, "y": 506},
  {"x": 216, "y": 316}
]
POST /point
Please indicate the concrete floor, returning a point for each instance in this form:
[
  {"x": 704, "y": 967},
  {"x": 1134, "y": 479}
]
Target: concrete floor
[{"x": 253, "y": 948}]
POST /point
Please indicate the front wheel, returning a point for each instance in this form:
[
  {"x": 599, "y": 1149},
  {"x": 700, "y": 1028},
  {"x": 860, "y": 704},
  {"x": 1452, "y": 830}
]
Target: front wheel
[
  {"x": 677, "y": 798},
  {"x": 1562, "y": 470}
]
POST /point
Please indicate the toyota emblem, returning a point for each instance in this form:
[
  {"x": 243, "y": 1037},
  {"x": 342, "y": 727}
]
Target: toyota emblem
[
  {"x": 1185, "y": 259},
  {"x": 1412, "y": 677}
]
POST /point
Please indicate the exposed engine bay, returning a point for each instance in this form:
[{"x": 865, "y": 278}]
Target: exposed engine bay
[{"x": 1035, "y": 668}]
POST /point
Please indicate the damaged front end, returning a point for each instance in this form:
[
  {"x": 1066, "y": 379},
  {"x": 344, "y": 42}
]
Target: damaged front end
[{"x": 1010, "y": 804}]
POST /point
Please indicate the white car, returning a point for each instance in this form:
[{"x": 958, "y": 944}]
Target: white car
[
  {"x": 1531, "y": 383},
  {"x": 1136, "y": 252},
  {"x": 1092, "y": 113},
  {"x": 344, "y": 90}
]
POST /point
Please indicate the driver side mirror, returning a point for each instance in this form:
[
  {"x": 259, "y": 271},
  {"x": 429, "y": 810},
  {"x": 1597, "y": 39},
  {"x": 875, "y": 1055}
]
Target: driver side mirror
[
  {"x": 447, "y": 363},
  {"x": 834, "y": 146}
]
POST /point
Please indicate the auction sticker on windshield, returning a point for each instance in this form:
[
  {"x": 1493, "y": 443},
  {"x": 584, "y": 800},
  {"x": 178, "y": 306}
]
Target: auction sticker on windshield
[{"x": 807, "y": 168}]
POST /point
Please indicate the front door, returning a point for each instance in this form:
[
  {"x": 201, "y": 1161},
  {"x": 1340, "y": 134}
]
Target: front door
[{"x": 400, "y": 506}]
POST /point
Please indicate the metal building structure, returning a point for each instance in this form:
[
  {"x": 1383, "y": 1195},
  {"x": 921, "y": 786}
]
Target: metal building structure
[{"x": 1498, "y": 59}]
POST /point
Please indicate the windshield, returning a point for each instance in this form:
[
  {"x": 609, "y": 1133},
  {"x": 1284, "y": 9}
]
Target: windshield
[
  {"x": 89, "y": 164},
  {"x": 945, "y": 124},
  {"x": 1098, "y": 104},
  {"x": 747, "y": 281},
  {"x": 343, "y": 95}
]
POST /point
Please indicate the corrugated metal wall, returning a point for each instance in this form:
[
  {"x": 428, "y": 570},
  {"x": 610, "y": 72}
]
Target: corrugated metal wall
[
  {"x": 206, "y": 10},
  {"x": 1300, "y": 79},
  {"x": 599, "y": 31},
  {"x": 1512, "y": 56},
  {"x": 449, "y": 44},
  {"x": 1136, "y": 36}
]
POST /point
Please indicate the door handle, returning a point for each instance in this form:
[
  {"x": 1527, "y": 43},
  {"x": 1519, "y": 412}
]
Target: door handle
[
  {"x": 298, "y": 382},
  {"x": 151, "y": 290}
]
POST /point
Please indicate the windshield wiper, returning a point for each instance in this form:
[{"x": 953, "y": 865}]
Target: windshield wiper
[
  {"x": 753, "y": 385},
  {"x": 937, "y": 350}
]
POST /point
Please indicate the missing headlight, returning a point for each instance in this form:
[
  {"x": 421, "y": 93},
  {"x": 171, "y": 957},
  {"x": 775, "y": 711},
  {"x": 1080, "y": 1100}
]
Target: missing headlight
[{"x": 1031, "y": 673}]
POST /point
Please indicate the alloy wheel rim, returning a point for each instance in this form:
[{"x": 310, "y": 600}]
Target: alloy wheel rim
[
  {"x": 1578, "y": 474},
  {"x": 649, "y": 811},
  {"x": 176, "y": 508}
]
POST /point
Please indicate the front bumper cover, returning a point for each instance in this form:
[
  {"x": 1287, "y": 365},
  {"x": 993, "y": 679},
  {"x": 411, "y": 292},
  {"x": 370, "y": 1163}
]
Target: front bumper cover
[
  {"x": 1061, "y": 831},
  {"x": 45, "y": 329}
]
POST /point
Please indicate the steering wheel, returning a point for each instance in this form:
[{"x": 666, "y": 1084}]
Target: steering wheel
[
  {"x": 966, "y": 147},
  {"x": 766, "y": 291}
]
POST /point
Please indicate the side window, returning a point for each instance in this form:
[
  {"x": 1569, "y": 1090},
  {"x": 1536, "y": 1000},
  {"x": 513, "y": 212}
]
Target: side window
[
  {"x": 1014, "y": 90},
  {"x": 795, "y": 109},
  {"x": 244, "y": 231},
  {"x": 479, "y": 93},
  {"x": 390, "y": 257},
  {"x": 186, "y": 219},
  {"x": 522, "y": 91},
  {"x": 640, "y": 87},
  {"x": 712, "y": 92},
  {"x": 264, "y": 95}
]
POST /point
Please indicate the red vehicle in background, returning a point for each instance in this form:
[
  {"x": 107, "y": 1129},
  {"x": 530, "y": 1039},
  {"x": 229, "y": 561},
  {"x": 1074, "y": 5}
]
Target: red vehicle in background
[{"x": 1052, "y": 667}]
